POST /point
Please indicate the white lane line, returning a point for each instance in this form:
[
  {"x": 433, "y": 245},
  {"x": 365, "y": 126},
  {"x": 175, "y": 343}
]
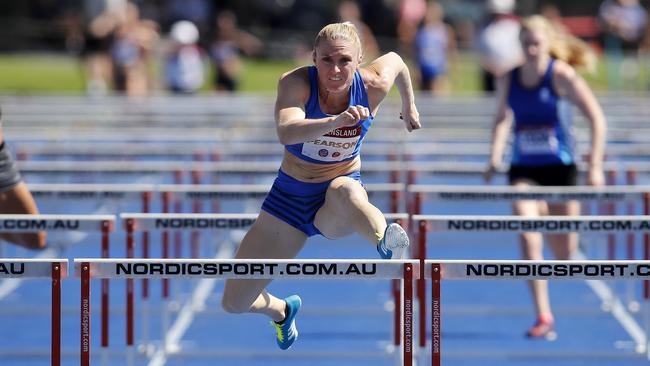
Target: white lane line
[
  {"x": 8, "y": 285},
  {"x": 616, "y": 307},
  {"x": 171, "y": 341}
]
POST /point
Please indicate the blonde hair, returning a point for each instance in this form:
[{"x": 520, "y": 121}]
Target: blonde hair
[
  {"x": 335, "y": 31},
  {"x": 562, "y": 45}
]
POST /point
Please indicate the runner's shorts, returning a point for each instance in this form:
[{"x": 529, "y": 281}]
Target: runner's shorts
[
  {"x": 9, "y": 175},
  {"x": 545, "y": 175},
  {"x": 296, "y": 202}
]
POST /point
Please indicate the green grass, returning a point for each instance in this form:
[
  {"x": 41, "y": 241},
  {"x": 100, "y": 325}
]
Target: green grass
[{"x": 38, "y": 74}]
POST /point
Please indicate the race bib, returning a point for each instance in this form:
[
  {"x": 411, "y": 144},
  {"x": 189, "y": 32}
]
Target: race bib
[
  {"x": 535, "y": 141},
  {"x": 337, "y": 145}
]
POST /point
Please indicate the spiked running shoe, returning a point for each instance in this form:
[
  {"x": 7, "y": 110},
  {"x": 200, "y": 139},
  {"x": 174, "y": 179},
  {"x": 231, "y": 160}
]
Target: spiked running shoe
[
  {"x": 542, "y": 329},
  {"x": 286, "y": 332},
  {"x": 394, "y": 242}
]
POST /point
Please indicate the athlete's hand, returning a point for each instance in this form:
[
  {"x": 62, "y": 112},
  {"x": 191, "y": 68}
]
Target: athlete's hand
[
  {"x": 411, "y": 117},
  {"x": 352, "y": 116},
  {"x": 595, "y": 176},
  {"x": 489, "y": 172}
]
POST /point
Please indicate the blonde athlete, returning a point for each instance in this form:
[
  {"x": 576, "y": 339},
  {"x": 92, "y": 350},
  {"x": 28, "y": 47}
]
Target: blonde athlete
[
  {"x": 322, "y": 114},
  {"x": 15, "y": 198},
  {"x": 539, "y": 95}
]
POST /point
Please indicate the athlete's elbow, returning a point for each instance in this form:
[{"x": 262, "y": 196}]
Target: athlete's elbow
[
  {"x": 32, "y": 241},
  {"x": 285, "y": 137}
]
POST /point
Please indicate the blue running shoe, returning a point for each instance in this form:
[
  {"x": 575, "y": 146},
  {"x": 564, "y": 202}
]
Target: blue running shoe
[
  {"x": 394, "y": 242},
  {"x": 286, "y": 332}
]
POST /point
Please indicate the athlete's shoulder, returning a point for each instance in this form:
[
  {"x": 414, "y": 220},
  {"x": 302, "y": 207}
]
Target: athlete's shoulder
[
  {"x": 564, "y": 77},
  {"x": 295, "y": 82},
  {"x": 562, "y": 71},
  {"x": 297, "y": 75}
]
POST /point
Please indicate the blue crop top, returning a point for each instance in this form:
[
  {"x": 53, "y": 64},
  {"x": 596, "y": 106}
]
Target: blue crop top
[
  {"x": 543, "y": 123},
  {"x": 338, "y": 145}
]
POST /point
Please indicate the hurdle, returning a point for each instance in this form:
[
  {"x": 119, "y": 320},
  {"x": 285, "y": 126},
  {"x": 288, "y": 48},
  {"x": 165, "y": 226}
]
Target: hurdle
[
  {"x": 202, "y": 192},
  {"x": 86, "y": 223},
  {"x": 129, "y": 268},
  {"x": 169, "y": 166},
  {"x": 438, "y": 270},
  {"x": 107, "y": 150},
  {"x": 258, "y": 133},
  {"x": 272, "y": 150},
  {"x": 145, "y": 223},
  {"x": 91, "y": 191},
  {"x": 56, "y": 270},
  {"x": 508, "y": 194}
]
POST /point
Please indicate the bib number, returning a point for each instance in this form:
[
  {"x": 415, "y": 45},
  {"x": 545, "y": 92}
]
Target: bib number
[
  {"x": 538, "y": 141},
  {"x": 337, "y": 145}
]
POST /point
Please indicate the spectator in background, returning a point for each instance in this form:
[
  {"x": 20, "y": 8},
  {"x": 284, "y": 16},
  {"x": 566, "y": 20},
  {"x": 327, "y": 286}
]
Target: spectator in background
[
  {"x": 184, "y": 66},
  {"x": 435, "y": 44},
  {"x": 103, "y": 18},
  {"x": 644, "y": 49},
  {"x": 199, "y": 12},
  {"x": 410, "y": 15},
  {"x": 623, "y": 23},
  {"x": 133, "y": 41},
  {"x": 349, "y": 12},
  {"x": 228, "y": 42},
  {"x": 552, "y": 13},
  {"x": 498, "y": 42}
]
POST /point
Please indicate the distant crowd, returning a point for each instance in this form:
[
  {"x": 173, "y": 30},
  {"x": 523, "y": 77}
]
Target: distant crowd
[{"x": 119, "y": 48}]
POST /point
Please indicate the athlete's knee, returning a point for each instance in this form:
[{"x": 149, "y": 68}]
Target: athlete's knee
[{"x": 348, "y": 190}]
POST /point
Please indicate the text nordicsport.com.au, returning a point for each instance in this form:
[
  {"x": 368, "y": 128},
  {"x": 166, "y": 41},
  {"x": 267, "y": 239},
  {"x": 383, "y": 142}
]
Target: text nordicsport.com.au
[
  {"x": 596, "y": 270},
  {"x": 547, "y": 225},
  {"x": 247, "y": 269},
  {"x": 38, "y": 224}
]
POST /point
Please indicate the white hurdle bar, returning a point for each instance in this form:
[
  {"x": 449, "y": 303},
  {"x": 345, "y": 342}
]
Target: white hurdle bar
[
  {"x": 91, "y": 191},
  {"x": 56, "y": 270},
  {"x": 174, "y": 222},
  {"x": 129, "y": 268},
  {"x": 438, "y": 270},
  {"x": 546, "y": 224},
  {"x": 509, "y": 193},
  {"x": 84, "y": 223}
]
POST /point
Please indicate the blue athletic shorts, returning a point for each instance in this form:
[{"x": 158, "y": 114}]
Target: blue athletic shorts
[{"x": 296, "y": 202}]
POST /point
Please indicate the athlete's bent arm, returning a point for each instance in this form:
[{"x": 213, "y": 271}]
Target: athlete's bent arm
[
  {"x": 291, "y": 124},
  {"x": 501, "y": 128},
  {"x": 380, "y": 76},
  {"x": 578, "y": 92}
]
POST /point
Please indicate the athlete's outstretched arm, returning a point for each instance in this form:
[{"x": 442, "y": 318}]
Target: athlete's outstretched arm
[
  {"x": 291, "y": 124},
  {"x": 379, "y": 78}
]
